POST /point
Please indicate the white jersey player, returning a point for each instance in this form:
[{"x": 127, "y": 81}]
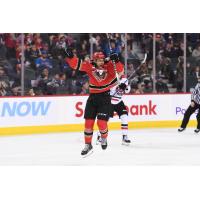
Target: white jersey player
[{"x": 118, "y": 106}]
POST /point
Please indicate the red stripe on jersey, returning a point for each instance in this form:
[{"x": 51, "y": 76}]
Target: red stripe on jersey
[{"x": 99, "y": 90}]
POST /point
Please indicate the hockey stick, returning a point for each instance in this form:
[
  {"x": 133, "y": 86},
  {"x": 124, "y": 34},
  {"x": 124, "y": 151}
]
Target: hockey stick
[
  {"x": 114, "y": 64},
  {"x": 142, "y": 62},
  {"x": 133, "y": 73}
]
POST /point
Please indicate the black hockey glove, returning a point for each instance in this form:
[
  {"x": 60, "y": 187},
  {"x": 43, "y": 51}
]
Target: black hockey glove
[
  {"x": 69, "y": 53},
  {"x": 122, "y": 86},
  {"x": 114, "y": 57}
]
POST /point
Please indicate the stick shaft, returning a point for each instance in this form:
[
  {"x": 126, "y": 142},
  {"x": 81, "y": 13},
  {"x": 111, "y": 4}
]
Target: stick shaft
[{"x": 114, "y": 64}]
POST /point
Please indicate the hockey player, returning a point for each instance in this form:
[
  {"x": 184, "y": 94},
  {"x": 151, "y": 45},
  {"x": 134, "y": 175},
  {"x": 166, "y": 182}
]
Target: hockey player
[
  {"x": 118, "y": 106},
  {"x": 102, "y": 77},
  {"x": 195, "y": 104}
]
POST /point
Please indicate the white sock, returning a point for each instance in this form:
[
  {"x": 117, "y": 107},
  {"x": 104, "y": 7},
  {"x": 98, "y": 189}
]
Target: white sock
[{"x": 124, "y": 124}]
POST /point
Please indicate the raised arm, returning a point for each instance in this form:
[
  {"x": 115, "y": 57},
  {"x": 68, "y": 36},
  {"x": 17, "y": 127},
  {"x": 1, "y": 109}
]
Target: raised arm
[
  {"x": 76, "y": 63},
  {"x": 117, "y": 64}
]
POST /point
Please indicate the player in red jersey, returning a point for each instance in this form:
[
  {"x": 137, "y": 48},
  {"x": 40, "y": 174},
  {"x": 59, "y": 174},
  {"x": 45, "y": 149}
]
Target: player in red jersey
[{"x": 102, "y": 77}]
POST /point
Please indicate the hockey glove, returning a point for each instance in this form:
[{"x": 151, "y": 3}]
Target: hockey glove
[
  {"x": 69, "y": 53},
  {"x": 122, "y": 86},
  {"x": 114, "y": 57}
]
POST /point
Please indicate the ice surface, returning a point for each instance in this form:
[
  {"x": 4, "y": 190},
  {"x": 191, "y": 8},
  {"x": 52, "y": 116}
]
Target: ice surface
[{"x": 149, "y": 147}]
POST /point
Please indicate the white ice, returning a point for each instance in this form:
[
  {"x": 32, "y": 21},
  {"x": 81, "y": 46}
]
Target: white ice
[{"x": 149, "y": 147}]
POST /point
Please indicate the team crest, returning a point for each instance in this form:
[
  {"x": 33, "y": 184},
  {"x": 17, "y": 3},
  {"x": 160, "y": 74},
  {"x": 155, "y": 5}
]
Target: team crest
[{"x": 99, "y": 74}]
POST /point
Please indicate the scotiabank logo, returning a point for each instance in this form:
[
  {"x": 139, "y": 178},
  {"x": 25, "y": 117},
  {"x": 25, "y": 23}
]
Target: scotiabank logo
[
  {"x": 145, "y": 109},
  {"x": 142, "y": 109}
]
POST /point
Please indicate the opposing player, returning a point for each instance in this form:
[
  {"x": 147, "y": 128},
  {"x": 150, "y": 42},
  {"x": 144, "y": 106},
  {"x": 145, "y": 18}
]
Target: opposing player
[
  {"x": 102, "y": 77},
  {"x": 118, "y": 106},
  {"x": 195, "y": 104}
]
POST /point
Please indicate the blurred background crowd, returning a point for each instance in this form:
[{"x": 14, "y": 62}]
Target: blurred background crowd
[{"x": 46, "y": 71}]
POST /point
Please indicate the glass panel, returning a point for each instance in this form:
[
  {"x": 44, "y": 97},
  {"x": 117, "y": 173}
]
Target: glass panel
[
  {"x": 193, "y": 60},
  {"x": 10, "y": 64},
  {"x": 47, "y": 73},
  {"x": 169, "y": 62},
  {"x": 140, "y": 74}
]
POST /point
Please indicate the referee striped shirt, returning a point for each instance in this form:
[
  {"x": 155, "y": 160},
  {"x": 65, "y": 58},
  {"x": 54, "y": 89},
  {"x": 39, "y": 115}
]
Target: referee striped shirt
[{"x": 196, "y": 94}]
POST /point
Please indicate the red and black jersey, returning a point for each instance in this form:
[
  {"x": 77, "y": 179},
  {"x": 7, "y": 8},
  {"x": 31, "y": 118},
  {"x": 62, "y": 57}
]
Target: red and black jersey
[{"x": 97, "y": 85}]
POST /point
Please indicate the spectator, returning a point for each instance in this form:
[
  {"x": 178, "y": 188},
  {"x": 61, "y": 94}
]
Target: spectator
[
  {"x": 19, "y": 64},
  {"x": 3, "y": 49},
  {"x": 197, "y": 72},
  {"x": 4, "y": 88},
  {"x": 62, "y": 79},
  {"x": 85, "y": 88},
  {"x": 16, "y": 90},
  {"x": 45, "y": 48},
  {"x": 27, "y": 53},
  {"x": 130, "y": 68},
  {"x": 28, "y": 39},
  {"x": 52, "y": 85},
  {"x": 10, "y": 45},
  {"x": 61, "y": 44},
  {"x": 75, "y": 87},
  {"x": 84, "y": 49},
  {"x": 169, "y": 51},
  {"x": 64, "y": 84},
  {"x": 37, "y": 40},
  {"x": 34, "y": 53},
  {"x": 43, "y": 79},
  {"x": 161, "y": 87},
  {"x": 115, "y": 47},
  {"x": 179, "y": 75},
  {"x": 134, "y": 88},
  {"x": 148, "y": 88},
  {"x": 196, "y": 53},
  {"x": 3, "y": 75},
  {"x": 31, "y": 92},
  {"x": 43, "y": 62},
  {"x": 140, "y": 89}
]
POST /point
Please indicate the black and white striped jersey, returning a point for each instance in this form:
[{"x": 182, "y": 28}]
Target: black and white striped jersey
[
  {"x": 116, "y": 93},
  {"x": 196, "y": 94}
]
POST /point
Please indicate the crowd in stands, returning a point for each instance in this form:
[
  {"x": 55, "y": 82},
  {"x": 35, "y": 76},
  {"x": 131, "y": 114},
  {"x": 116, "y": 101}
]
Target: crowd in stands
[
  {"x": 169, "y": 62},
  {"x": 47, "y": 72},
  {"x": 169, "y": 50}
]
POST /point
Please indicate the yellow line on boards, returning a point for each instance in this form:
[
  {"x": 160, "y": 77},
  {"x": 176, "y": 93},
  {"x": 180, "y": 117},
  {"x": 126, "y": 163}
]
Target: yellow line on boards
[{"x": 25, "y": 130}]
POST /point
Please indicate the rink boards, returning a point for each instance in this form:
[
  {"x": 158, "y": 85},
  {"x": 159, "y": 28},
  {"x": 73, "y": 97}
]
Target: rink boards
[{"x": 27, "y": 115}]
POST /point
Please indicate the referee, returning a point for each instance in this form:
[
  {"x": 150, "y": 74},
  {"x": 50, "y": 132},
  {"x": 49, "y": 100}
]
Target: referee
[{"x": 195, "y": 104}]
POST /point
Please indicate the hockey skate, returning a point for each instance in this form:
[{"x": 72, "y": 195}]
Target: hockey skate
[
  {"x": 104, "y": 143},
  {"x": 88, "y": 150},
  {"x": 125, "y": 140},
  {"x": 181, "y": 129},
  {"x": 197, "y": 130},
  {"x": 98, "y": 139}
]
